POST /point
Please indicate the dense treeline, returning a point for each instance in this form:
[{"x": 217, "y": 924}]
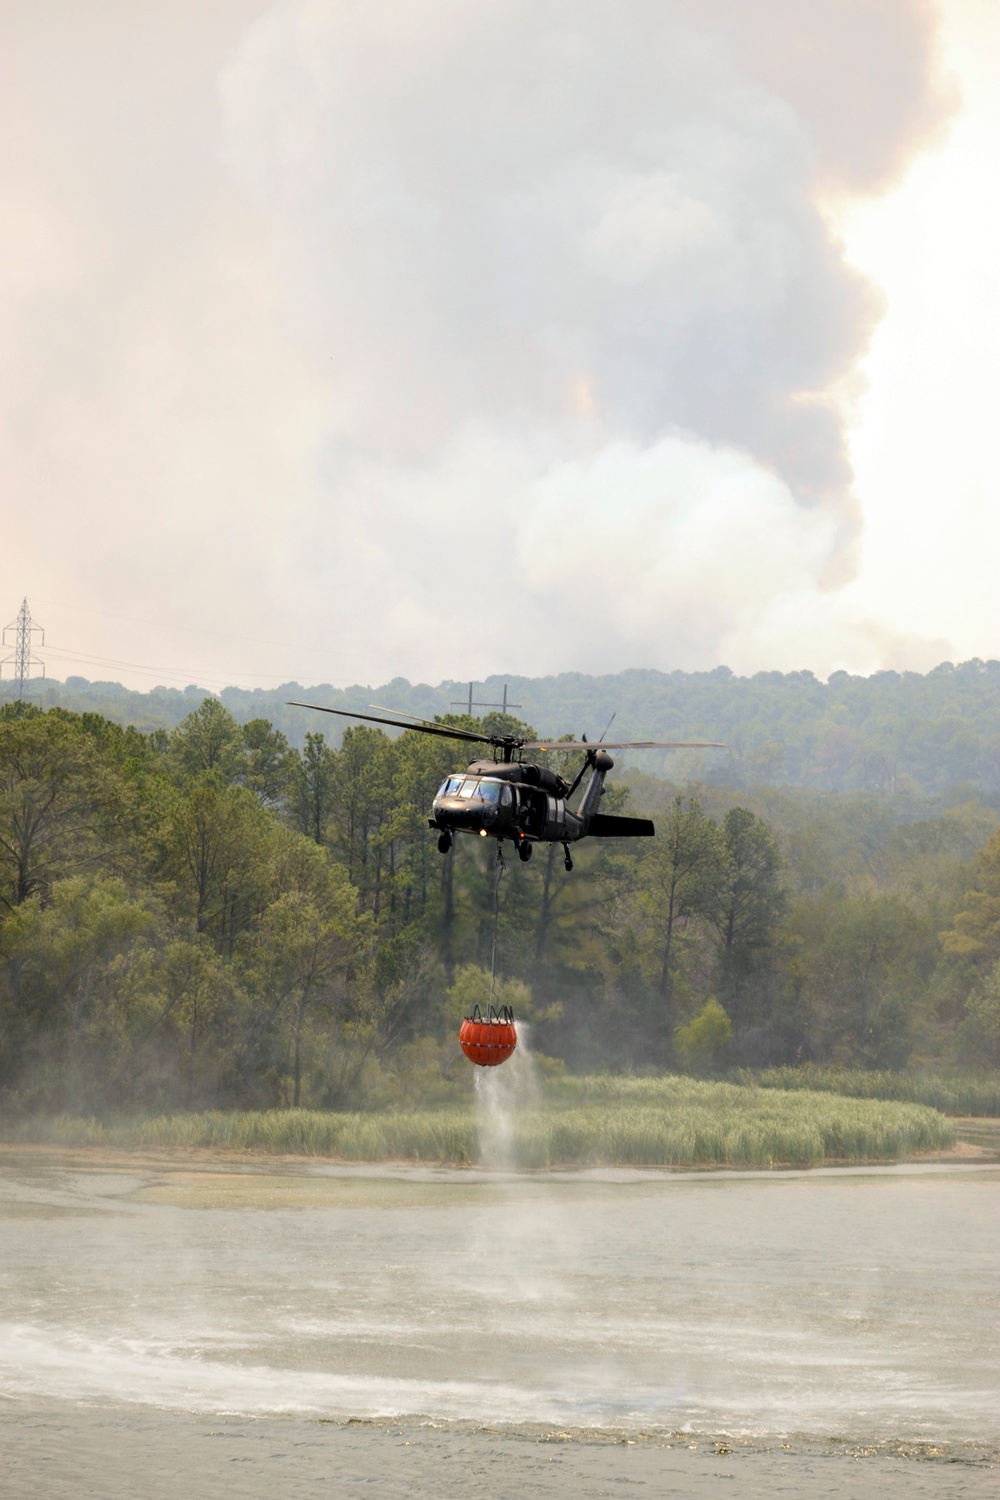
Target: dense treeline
[
  {"x": 211, "y": 917},
  {"x": 895, "y": 733}
]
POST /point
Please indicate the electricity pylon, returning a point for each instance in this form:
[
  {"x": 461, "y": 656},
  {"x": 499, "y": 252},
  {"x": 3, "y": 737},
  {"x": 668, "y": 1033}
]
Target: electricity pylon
[
  {"x": 21, "y": 658},
  {"x": 474, "y": 703}
]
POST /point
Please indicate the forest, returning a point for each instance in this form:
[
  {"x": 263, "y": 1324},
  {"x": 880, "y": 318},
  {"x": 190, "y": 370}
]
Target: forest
[
  {"x": 209, "y": 916},
  {"x": 896, "y": 733}
]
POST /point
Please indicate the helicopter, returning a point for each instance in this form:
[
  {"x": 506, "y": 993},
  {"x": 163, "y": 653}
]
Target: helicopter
[{"x": 509, "y": 798}]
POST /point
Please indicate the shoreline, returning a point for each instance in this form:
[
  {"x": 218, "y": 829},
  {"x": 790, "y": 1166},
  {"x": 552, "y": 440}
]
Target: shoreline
[{"x": 961, "y": 1155}]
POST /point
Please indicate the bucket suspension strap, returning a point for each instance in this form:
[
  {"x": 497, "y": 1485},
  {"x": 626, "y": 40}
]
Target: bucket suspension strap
[
  {"x": 502, "y": 1015},
  {"x": 501, "y": 866}
]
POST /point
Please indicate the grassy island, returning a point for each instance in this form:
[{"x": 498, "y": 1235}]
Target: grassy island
[{"x": 667, "y": 1121}]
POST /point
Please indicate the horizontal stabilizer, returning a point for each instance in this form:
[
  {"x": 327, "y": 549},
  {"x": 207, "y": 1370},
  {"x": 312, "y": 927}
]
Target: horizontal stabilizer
[{"x": 607, "y": 826}]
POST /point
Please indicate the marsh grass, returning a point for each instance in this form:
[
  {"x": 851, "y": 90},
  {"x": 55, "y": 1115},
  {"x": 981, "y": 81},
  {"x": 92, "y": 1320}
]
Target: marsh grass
[
  {"x": 667, "y": 1122},
  {"x": 957, "y": 1094}
]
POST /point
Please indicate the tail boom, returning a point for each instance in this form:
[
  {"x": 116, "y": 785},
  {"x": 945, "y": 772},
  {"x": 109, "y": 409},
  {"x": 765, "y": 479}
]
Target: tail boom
[{"x": 609, "y": 826}]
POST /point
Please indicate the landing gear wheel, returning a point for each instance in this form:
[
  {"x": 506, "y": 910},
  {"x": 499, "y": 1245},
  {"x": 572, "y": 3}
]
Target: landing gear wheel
[
  {"x": 524, "y": 851},
  {"x": 444, "y": 843}
]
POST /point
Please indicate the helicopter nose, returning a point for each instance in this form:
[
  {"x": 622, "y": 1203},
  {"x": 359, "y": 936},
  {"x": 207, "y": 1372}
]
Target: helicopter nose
[
  {"x": 465, "y": 812},
  {"x": 456, "y": 812}
]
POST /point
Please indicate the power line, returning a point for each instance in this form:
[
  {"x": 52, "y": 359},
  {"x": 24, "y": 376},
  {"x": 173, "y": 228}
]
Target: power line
[
  {"x": 174, "y": 626},
  {"x": 68, "y": 658},
  {"x": 21, "y": 658}
]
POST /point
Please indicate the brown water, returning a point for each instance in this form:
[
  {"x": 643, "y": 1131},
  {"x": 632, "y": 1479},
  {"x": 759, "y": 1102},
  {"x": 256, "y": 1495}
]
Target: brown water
[{"x": 850, "y": 1315}]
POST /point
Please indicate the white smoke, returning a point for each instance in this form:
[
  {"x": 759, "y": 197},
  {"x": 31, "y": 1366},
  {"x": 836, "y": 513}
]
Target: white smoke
[
  {"x": 369, "y": 316},
  {"x": 584, "y": 318}
]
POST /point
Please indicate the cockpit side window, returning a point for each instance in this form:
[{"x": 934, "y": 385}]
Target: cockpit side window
[
  {"x": 489, "y": 791},
  {"x": 506, "y": 797}
]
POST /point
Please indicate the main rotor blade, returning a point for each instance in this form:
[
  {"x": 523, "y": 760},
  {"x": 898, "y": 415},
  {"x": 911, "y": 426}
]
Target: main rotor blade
[
  {"x": 416, "y": 723},
  {"x": 440, "y": 730},
  {"x": 415, "y": 718},
  {"x": 421, "y": 726},
  {"x": 482, "y": 739},
  {"x": 623, "y": 745}
]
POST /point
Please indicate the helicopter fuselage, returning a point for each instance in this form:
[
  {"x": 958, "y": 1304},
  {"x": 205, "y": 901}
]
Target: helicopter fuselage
[
  {"x": 509, "y": 798},
  {"x": 526, "y": 803}
]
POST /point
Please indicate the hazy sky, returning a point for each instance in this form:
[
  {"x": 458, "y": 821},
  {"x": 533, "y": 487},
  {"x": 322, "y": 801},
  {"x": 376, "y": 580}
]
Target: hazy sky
[{"x": 434, "y": 338}]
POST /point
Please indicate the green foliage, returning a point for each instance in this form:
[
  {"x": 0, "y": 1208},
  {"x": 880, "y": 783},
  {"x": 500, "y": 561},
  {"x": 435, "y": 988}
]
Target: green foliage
[
  {"x": 268, "y": 764},
  {"x": 957, "y": 1094},
  {"x": 893, "y": 734},
  {"x": 980, "y": 1035},
  {"x": 311, "y": 781},
  {"x": 866, "y": 957},
  {"x": 208, "y": 740},
  {"x": 471, "y": 987},
  {"x": 62, "y": 805},
  {"x": 295, "y": 957},
  {"x": 205, "y": 916},
  {"x": 703, "y": 1044},
  {"x": 747, "y": 901},
  {"x": 975, "y": 933},
  {"x": 682, "y": 875}
]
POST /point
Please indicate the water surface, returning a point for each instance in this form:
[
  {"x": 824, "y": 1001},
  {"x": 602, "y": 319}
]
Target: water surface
[{"x": 852, "y": 1308}]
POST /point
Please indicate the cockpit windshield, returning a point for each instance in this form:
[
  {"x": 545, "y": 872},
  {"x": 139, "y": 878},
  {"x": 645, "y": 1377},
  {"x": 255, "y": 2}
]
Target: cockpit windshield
[{"x": 468, "y": 786}]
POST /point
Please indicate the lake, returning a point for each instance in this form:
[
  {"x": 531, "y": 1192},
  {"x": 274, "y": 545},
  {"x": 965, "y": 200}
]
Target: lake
[{"x": 545, "y": 1332}]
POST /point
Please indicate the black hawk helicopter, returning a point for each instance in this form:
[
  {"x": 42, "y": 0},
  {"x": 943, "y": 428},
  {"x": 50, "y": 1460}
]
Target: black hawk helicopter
[{"x": 509, "y": 798}]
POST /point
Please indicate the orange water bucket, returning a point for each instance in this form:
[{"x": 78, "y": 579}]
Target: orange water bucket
[{"x": 489, "y": 1041}]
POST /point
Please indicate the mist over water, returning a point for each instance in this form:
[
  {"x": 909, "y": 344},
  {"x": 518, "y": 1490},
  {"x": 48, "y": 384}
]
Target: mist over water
[{"x": 854, "y": 1304}]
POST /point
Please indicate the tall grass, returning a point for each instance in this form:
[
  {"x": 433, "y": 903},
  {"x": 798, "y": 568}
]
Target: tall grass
[
  {"x": 431, "y": 1135},
  {"x": 667, "y": 1122},
  {"x": 959, "y": 1094}
]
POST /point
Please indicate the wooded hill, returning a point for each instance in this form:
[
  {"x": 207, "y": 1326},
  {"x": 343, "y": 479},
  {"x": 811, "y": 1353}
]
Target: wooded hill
[
  {"x": 890, "y": 733},
  {"x": 208, "y": 916}
]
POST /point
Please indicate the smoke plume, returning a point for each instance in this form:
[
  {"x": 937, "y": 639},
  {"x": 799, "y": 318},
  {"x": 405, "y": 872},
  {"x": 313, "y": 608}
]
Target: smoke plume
[{"x": 381, "y": 314}]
